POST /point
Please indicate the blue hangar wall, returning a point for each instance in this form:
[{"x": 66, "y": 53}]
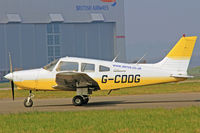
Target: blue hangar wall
[{"x": 36, "y": 32}]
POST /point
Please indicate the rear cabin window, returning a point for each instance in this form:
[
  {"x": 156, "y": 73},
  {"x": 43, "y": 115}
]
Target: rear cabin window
[
  {"x": 67, "y": 66},
  {"x": 103, "y": 69},
  {"x": 86, "y": 67}
]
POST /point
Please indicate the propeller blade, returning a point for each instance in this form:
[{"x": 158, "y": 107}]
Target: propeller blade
[
  {"x": 10, "y": 60},
  {"x": 11, "y": 81},
  {"x": 12, "y": 86}
]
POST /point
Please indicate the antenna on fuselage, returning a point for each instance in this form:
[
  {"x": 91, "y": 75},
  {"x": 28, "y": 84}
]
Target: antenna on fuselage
[
  {"x": 116, "y": 57},
  {"x": 141, "y": 59}
]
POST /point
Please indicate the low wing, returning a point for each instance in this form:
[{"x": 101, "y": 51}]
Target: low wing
[{"x": 73, "y": 80}]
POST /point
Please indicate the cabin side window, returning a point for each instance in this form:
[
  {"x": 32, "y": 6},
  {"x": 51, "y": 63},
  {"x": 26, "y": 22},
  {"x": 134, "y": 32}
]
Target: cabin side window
[
  {"x": 86, "y": 67},
  {"x": 67, "y": 66},
  {"x": 103, "y": 68}
]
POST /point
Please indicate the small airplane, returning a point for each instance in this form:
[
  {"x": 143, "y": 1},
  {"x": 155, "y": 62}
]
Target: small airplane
[{"x": 87, "y": 75}]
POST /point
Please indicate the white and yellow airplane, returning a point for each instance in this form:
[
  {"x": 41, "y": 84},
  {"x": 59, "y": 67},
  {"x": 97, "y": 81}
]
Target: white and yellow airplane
[{"x": 87, "y": 75}]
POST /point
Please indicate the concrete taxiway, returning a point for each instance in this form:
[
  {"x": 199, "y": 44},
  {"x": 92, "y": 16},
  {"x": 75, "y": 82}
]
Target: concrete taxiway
[{"x": 109, "y": 102}]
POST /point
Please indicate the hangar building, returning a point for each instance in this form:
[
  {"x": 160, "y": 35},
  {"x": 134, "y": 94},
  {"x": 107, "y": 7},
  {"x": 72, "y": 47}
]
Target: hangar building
[{"x": 36, "y": 32}]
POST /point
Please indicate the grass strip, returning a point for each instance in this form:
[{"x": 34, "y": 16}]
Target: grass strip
[{"x": 180, "y": 120}]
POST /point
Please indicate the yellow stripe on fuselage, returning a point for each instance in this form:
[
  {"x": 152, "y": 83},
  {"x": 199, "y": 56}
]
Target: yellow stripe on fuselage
[
  {"x": 47, "y": 84},
  {"x": 143, "y": 81},
  {"x": 42, "y": 84}
]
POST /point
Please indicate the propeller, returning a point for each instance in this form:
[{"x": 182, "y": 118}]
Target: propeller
[
  {"x": 12, "y": 86},
  {"x": 11, "y": 81}
]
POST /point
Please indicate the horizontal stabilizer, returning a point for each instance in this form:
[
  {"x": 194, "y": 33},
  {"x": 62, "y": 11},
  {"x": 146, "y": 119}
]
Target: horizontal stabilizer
[{"x": 182, "y": 76}]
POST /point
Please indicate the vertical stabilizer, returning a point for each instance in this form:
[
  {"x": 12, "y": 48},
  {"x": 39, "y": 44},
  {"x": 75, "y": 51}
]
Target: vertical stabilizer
[{"x": 178, "y": 58}]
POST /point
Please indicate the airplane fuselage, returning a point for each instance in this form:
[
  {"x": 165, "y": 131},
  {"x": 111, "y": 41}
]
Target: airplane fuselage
[{"x": 117, "y": 75}]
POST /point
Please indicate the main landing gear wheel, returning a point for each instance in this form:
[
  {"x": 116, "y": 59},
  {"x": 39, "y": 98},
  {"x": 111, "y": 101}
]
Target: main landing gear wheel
[
  {"x": 78, "y": 100},
  {"x": 28, "y": 102}
]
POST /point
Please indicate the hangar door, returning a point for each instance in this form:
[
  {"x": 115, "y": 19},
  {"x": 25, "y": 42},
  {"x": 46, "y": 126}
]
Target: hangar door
[{"x": 90, "y": 40}]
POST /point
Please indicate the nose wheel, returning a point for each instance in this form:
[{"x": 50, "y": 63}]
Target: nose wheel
[{"x": 28, "y": 102}]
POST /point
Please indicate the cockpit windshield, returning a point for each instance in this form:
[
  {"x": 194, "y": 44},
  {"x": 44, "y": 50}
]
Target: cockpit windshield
[{"x": 51, "y": 65}]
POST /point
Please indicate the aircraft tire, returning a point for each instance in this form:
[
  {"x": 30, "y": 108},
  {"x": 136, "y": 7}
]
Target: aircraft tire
[
  {"x": 78, "y": 101},
  {"x": 86, "y": 99},
  {"x": 28, "y": 104}
]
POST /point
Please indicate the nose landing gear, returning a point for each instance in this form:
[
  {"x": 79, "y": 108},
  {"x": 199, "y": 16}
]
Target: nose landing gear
[{"x": 28, "y": 102}]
